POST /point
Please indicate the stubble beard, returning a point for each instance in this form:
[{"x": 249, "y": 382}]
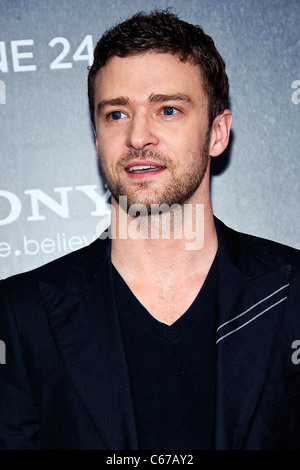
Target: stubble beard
[{"x": 178, "y": 191}]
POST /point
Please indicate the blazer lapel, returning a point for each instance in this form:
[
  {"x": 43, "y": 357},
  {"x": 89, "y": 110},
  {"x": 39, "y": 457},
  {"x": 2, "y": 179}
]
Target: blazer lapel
[
  {"x": 251, "y": 304},
  {"x": 85, "y": 328}
]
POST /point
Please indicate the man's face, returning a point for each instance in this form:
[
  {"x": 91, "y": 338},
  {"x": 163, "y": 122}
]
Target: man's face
[{"x": 151, "y": 124}]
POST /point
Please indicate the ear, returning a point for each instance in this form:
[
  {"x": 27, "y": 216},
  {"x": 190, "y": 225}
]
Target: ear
[{"x": 219, "y": 134}]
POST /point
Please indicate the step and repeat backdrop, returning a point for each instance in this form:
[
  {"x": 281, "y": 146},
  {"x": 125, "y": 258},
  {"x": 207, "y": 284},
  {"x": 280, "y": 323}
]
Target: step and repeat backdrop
[{"x": 51, "y": 195}]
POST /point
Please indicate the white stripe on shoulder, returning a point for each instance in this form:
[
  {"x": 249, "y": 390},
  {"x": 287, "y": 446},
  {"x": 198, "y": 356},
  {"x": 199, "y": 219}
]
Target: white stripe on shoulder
[
  {"x": 250, "y": 308},
  {"x": 249, "y": 321}
]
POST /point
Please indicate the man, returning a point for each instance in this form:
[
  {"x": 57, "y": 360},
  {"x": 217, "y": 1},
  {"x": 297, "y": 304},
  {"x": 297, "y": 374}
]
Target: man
[{"x": 144, "y": 340}]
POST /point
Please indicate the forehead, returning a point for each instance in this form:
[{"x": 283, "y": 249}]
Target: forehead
[{"x": 148, "y": 73}]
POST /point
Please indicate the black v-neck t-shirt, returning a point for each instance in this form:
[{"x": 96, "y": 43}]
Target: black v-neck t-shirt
[{"x": 171, "y": 369}]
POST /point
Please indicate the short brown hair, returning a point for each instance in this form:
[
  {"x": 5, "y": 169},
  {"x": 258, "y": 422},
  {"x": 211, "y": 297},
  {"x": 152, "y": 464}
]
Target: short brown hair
[{"x": 163, "y": 31}]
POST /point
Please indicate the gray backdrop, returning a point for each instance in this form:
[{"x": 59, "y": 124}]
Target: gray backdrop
[{"x": 50, "y": 189}]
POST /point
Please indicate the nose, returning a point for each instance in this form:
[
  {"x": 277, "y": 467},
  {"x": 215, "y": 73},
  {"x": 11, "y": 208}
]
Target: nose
[{"x": 141, "y": 133}]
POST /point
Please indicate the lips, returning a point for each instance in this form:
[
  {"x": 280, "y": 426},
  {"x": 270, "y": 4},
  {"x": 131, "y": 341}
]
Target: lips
[{"x": 143, "y": 168}]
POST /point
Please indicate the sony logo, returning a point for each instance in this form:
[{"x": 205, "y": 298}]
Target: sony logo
[{"x": 58, "y": 205}]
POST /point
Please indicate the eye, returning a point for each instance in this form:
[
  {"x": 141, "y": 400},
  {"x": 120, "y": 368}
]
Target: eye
[
  {"x": 116, "y": 115},
  {"x": 169, "y": 111}
]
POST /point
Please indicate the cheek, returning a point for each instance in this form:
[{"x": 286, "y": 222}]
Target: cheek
[
  {"x": 110, "y": 142},
  {"x": 109, "y": 154},
  {"x": 182, "y": 144},
  {"x": 103, "y": 144}
]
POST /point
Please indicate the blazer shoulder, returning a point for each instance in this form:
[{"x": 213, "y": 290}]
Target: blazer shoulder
[
  {"x": 243, "y": 248},
  {"x": 274, "y": 251},
  {"x": 72, "y": 268}
]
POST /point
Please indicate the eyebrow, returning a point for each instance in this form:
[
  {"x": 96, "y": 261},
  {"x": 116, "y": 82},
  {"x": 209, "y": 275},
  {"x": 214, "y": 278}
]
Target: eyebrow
[
  {"x": 120, "y": 101},
  {"x": 161, "y": 98},
  {"x": 153, "y": 98}
]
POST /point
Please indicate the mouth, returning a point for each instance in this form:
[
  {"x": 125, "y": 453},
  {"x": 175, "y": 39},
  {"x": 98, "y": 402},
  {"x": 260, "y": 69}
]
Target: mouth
[{"x": 143, "y": 169}]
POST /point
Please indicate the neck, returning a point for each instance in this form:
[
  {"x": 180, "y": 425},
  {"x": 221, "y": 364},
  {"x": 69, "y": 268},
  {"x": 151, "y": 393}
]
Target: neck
[{"x": 146, "y": 246}]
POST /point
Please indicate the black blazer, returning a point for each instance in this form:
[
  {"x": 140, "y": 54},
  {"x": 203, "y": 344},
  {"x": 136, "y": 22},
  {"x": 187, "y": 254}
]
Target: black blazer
[{"x": 65, "y": 382}]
